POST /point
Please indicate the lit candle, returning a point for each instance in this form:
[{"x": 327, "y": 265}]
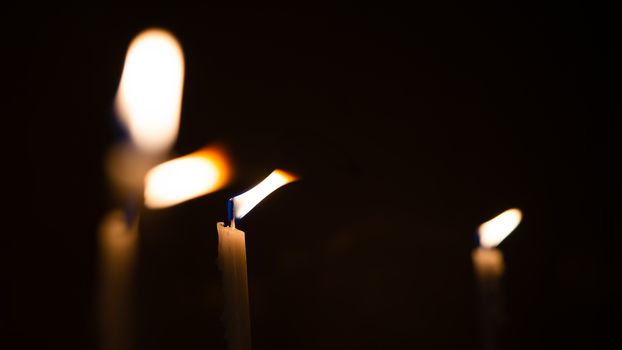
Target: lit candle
[
  {"x": 232, "y": 260},
  {"x": 148, "y": 104},
  {"x": 489, "y": 268}
]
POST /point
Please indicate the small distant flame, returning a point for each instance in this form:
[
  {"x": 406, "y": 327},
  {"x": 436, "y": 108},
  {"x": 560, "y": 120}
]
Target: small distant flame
[
  {"x": 149, "y": 97},
  {"x": 245, "y": 202},
  {"x": 492, "y": 232},
  {"x": 187, "y": 177}
]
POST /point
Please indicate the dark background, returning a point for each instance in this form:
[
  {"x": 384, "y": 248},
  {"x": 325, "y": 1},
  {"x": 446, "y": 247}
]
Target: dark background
[{"x": 408, "y": 126}]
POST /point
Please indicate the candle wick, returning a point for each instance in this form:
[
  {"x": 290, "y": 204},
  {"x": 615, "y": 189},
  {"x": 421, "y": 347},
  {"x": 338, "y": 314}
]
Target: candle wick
[{"x": 231, "y": 212}]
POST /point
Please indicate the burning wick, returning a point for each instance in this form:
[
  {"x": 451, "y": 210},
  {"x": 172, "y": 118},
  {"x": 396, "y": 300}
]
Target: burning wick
[
  {"x": 232, "y": 260},
  {"x": 489, "y": 268}
]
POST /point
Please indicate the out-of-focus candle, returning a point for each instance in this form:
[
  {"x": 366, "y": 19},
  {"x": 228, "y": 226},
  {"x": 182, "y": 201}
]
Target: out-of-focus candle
[
  {"x": 148, "y": 104},
  {"x": 232, "y": 260},
  {"x": 489, "y": 268},
  {"x": 118, "y": 243}
]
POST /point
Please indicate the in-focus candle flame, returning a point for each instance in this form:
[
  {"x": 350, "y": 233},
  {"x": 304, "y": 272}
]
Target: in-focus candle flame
[
  {"x": 243, "y": 203},
  {"x": 492, "y": 232},
  {"x": 149, "y": 97},
  {"x": 187, "y": 177}
]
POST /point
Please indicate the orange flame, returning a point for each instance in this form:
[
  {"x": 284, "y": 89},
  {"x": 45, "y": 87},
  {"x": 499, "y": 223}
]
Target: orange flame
[{"x": 187, "y": 177}]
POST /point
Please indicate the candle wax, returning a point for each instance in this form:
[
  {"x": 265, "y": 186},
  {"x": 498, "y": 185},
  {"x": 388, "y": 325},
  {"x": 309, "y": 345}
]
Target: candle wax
[
  {"x": 117, "y": 243},
  {"x": 232, "y": 263},
  {"x": 488, "y": 263},
  {"x": 489, "y": 268}
]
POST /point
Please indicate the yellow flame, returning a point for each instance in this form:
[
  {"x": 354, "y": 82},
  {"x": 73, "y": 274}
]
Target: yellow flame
[
  {"x": 149, "y": 96},
  {"x": 243, "y": 203},
  {"x": 186, "y": 177},
  {"x": 492, "y": 232}
]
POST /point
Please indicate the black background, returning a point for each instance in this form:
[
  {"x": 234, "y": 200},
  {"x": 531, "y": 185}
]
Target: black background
[{"x": 408, "y": 126}]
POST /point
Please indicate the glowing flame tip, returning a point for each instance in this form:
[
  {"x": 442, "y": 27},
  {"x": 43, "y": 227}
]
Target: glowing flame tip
[
  {"x": 245, "y": 202},
  {"x": 492, "y": 232},
  {"x": 187, "y": 177}
]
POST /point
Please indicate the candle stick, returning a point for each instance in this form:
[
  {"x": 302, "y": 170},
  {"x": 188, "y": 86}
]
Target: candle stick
[
  {"x": 118, "y": 243},
  {"x": 148, "y": 104},
  {"x": 232, "y": 263},
  {"x": 489, "y": 267},
  {"x": 232, "y": 260}
]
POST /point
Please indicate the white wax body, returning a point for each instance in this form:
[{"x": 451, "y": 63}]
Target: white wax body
[
  {"x": 232, "y": 263},
  {"x": 117, "y": 244}
]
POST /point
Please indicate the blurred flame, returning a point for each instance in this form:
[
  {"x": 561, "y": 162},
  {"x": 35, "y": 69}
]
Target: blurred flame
[
  {"x": 492, "y": 232},
  {"x": 186, "y": 177},
  {"x": 245, "y": 202},
  {"x": 149, "y": 97}
]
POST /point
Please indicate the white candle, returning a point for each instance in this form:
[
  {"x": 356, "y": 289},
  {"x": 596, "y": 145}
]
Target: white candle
[
  {"x": 232, "y": 263},
  {"x": 232, "y": 260},
  {"x": 489, "y": 267}
]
